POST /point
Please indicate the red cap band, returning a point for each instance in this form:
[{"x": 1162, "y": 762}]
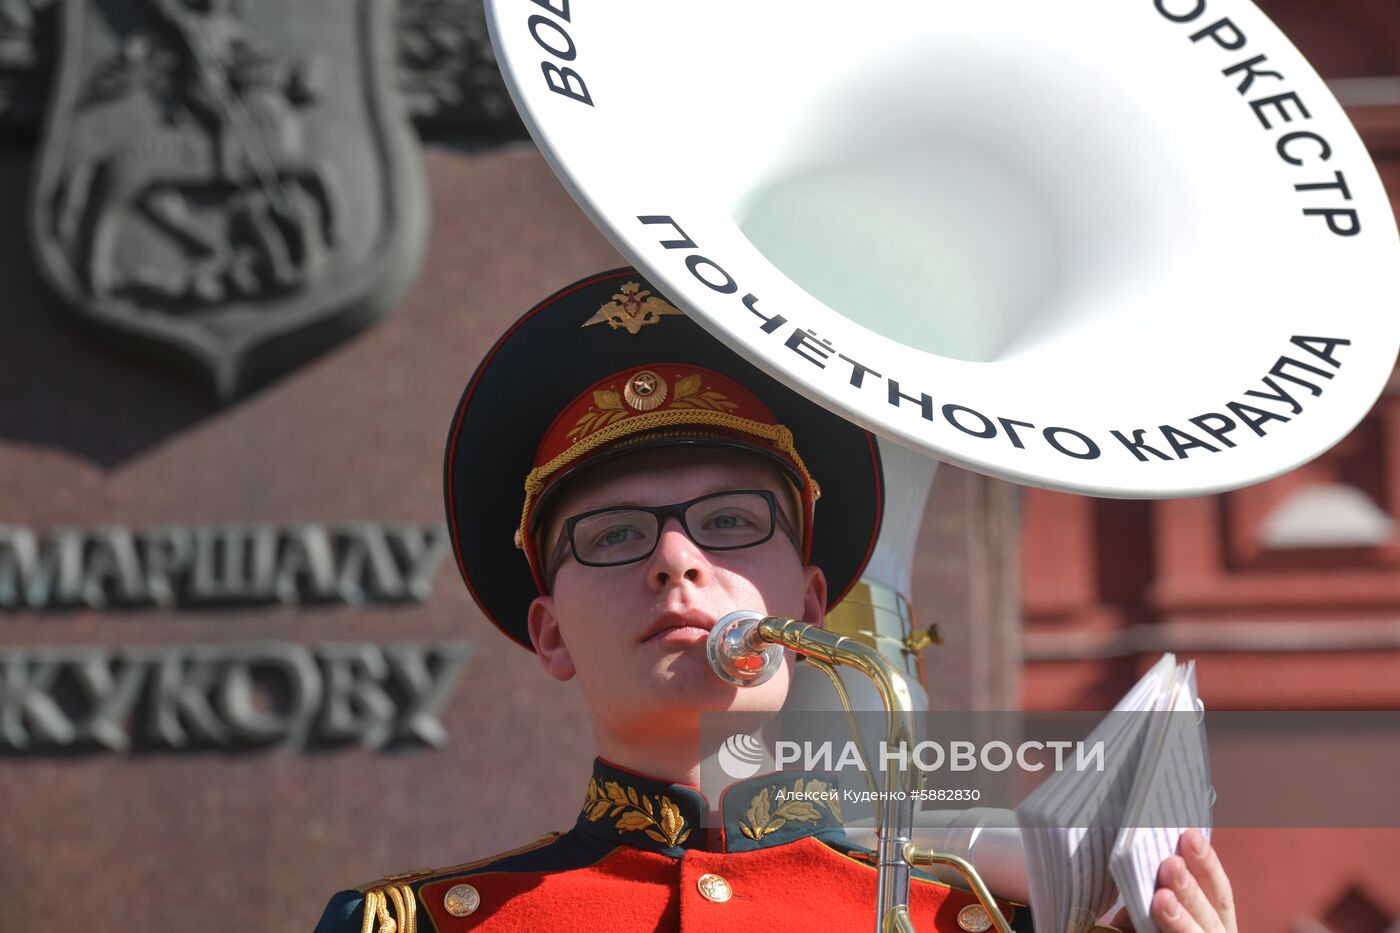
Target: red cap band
[{"x": 662, "y": 402}]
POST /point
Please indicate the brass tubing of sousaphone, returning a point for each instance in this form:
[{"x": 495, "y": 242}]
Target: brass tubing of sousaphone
[
  {"x": 897, "y": 811},
  {"x": 892, "y": 880},
  {"x": 917, "y": 856}
]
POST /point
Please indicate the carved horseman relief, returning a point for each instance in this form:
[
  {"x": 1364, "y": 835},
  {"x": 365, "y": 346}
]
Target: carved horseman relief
[{"x": 228, "y": 183}]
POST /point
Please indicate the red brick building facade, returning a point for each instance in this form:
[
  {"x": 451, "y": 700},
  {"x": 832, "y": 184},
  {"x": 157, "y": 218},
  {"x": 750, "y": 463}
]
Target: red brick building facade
[{"x": 1287, "y": 594}]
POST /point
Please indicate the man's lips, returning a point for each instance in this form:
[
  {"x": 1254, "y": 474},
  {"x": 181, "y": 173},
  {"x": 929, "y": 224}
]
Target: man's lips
[{"x": 684, "y": 622}]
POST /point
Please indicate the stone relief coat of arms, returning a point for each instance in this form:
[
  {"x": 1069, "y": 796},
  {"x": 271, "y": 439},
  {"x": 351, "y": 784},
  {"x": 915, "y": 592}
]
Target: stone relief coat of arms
[{"x": 229, "y": 185}]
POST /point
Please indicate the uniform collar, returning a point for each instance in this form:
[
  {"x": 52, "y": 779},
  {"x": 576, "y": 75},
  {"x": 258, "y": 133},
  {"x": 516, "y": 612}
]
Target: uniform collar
[{"x": 625, "y": 808}]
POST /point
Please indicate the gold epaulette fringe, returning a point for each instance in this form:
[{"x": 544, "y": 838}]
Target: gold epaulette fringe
[{"x": 376, "y": 917}]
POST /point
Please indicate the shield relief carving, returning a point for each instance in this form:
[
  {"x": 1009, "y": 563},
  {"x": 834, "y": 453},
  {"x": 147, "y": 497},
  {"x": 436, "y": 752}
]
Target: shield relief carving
[{"x": 228, "y": 185}]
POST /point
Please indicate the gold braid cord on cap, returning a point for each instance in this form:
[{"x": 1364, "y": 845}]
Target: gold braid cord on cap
[
  {"x": 377, "y": 901},
  {"x": 778, "y": 435}
]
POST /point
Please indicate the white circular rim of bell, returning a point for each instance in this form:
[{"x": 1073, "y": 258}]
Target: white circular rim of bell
[{"x": 964, "y": 228}]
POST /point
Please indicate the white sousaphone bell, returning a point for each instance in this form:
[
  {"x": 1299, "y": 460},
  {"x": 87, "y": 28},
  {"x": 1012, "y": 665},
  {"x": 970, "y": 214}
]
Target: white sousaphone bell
[
  {"x": 1060, "y": 244},
  {"x": 1124, "y": 248}
]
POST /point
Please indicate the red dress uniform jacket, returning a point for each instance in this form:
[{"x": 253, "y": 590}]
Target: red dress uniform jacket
[{"x": 639, "y": 859}]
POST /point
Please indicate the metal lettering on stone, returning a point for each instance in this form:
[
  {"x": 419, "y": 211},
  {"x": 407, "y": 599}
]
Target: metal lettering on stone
[
  {"x": 230, "y": 185},
  {"x": 246, "y": 695},
  {"x": 208, "y": 566}
]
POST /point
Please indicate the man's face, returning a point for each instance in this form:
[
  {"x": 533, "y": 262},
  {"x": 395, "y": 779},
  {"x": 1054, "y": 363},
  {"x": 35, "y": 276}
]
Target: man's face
[{"x": 635, "y": 634}]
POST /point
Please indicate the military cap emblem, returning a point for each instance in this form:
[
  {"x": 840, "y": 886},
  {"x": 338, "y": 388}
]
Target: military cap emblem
[
  {"x": 645, "y": 391},
  {"x": 631, "y": 309}
]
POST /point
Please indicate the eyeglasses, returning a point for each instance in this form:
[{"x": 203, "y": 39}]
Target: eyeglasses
[{"x": 721, "y": 521}]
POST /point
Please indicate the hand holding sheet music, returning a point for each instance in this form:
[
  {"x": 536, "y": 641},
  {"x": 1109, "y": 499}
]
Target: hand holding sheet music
[{"x": 1084, "y": 833}]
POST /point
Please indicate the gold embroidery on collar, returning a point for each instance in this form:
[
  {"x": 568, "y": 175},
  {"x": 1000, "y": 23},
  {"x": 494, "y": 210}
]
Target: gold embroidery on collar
[
  {"x": 763, "y": 819},
  {"x": 632, "y": 309},
  {"x": 637, "y": 812}
]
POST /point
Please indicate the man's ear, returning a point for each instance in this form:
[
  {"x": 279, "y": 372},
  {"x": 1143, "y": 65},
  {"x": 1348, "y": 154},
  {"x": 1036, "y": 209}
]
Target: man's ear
[
  {"x": 548, "y": 640},
  {"x": 814, "y": 598}
]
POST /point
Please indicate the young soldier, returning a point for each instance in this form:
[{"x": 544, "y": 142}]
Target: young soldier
[{"x": 665, "y": 484}]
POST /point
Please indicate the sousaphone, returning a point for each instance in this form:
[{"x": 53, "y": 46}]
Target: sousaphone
[
  {"x": 1129, "y": 249},
  {"x": 1124, "y": 248}
]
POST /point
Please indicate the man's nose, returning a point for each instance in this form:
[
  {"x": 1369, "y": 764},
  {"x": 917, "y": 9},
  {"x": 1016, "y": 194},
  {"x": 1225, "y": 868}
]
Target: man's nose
[{"x": 676, "y": 558}]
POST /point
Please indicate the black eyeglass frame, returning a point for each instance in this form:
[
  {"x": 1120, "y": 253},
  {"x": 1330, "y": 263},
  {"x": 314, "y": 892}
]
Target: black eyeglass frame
[{"x": 776, "y": 518}]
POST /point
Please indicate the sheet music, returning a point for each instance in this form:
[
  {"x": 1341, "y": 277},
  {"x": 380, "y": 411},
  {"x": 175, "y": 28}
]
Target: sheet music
[
  {"x": 1067, "y": 832},
  {"x": 1174, "y": 793}
]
